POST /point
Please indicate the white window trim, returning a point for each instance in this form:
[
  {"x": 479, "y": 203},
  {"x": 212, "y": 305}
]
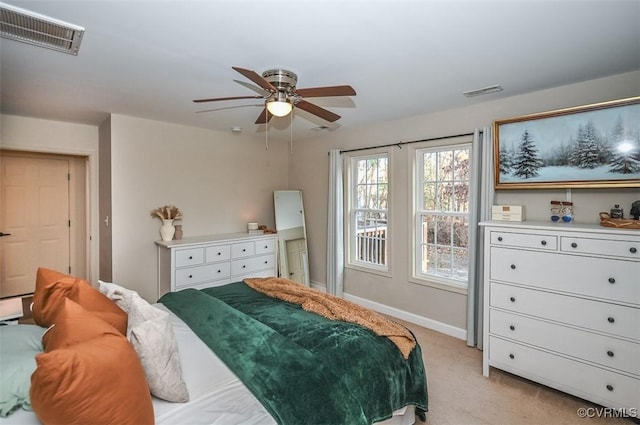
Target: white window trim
[
  {"x": 449, "y": 285},
  {"x": 348, "y": 193}
]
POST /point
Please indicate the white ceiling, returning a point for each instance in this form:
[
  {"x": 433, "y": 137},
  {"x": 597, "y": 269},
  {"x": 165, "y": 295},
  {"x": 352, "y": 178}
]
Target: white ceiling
[{"x": 150, "y": 59}]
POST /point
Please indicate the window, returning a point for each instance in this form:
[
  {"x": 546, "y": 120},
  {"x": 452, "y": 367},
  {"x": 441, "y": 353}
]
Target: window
[
  {"x": 368, "y": 211},
  {"x": 442, "y": 214}
]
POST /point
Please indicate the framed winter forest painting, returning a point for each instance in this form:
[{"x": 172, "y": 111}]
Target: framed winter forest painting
[{"x": 592, "y": 146}]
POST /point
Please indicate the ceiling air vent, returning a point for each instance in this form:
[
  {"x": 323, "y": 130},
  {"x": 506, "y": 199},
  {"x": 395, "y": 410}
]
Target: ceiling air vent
[
  {"x": 29, "y": 27},
  {"x": 485, "y": 90}
]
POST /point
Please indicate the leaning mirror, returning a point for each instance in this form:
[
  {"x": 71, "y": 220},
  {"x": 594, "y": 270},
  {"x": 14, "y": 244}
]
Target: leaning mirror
[{"x": 292, "y": 236}]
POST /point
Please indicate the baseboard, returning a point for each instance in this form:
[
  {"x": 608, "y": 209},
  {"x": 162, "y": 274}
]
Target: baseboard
[{"x": 401, "y": 314}]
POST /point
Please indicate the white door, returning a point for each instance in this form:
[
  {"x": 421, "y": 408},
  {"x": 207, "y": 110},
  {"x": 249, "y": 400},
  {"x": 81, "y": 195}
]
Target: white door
[
  {"x": 34, "y": 220},
  {"x": 295, "y": 260}
]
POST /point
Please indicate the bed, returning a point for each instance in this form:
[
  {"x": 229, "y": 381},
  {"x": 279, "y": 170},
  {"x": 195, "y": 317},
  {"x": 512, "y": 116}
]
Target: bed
[{"x": 262, "y": 340}]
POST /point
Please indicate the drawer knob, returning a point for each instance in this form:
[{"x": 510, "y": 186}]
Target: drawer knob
[
  {"x": 512, "y": 299},
  {"x": 612, "y": 280},
  {"x": 244, "y": 266},
  {"x": 511, "y": 356},
  {"x": 499, "y": 238},
  {"x": 513, "y": 328},
  {"x": 219, "y": 271},
  {"x": 266, "y": 246},
  {"x": 266, "y": 262},
  {"x": 244, "y": 249},
  {"x": 513, "y": 267},
  {"x": 633, "y": 250},
  {"x": 574, "y": 245},
  {"x": 543, "y": 243},
  {"x": 610, "y": 353},
  {"x": 611, "y": 319},
  {"x": 610, "y": 387},
  {"x": 219, "y": 253},
  {"x": 190, "y": 276},
  {"x": 191, "y": 257}
]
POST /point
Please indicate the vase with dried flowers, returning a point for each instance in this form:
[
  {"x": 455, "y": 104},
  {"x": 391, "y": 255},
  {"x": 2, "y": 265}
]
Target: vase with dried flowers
[{"x": 167, "y": 214}]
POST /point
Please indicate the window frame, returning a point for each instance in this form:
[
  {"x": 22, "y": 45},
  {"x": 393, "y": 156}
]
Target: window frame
[
  {"x": 416, "y": 276},
  {"x": 350, "y": 198}
]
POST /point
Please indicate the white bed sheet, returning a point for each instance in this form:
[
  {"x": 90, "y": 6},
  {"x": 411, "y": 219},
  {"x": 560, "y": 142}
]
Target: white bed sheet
[{"x": 216, "y": 395}]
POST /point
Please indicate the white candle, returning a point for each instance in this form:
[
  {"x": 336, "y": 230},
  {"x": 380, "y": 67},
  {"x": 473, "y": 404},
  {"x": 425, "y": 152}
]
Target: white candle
[{"x": 252, "y": 226}]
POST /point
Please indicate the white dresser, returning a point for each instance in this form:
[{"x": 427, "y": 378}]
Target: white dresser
[
  {"x": 562, "y": 307},
  {"x": 204, "y": 261}
]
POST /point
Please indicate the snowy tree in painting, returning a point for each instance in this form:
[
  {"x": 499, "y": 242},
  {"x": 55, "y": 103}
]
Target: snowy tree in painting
[
  {"x": 587, "y": 152},
  {"x": 527, "y": 162},
  {"x": 505, "y": 160},
  {"x": 626, "y": 153}
]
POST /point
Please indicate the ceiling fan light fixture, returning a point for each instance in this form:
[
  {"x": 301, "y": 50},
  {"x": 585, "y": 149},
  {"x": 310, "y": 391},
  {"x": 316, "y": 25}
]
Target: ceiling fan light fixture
[{"x": 279, "y": 108}]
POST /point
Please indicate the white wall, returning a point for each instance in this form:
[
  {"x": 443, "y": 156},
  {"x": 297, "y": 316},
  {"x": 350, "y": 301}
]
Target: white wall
[
  {"x": 220, "y": 181},
  {"x": 36, "y": 135},
  {"x": 309, "y": 168}
]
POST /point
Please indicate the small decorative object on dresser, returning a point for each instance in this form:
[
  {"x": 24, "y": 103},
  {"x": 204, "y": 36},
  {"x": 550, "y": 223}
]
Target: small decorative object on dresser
[
  {"x": 178, "y": 235},
  {"x": 167, "y": 214},
  {"x": 507, "y": 212},
  {"x": 562, "y": 210},
  {"x": 621, "y": 223},
  {"x": 562, "y": 308},
  {"x": 635, "y": 210}
]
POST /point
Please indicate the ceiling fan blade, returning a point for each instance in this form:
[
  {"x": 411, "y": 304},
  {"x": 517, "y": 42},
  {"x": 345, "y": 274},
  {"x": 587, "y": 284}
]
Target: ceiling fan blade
[
  {"x": 264, "y": 117},
  {"x": 318, "y": 111},
  {"x": 256, "y": 78},
  {"x": 227, "y": 98},
  {"x": 326, "y": 91}
]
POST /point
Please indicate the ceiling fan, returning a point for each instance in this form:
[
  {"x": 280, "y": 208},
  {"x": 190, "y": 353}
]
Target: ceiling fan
[{"x": 281, "y": 94}]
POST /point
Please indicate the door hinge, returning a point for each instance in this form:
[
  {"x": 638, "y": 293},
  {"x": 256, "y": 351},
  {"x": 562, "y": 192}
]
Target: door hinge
[
  {"x": 69, "y": 269},
  {"x": 69, "y": 176},
  {"x": 69, "y": 223}
]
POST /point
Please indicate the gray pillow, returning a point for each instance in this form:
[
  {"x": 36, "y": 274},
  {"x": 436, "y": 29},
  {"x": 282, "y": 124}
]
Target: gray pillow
[{"x": 19, "y": 345}]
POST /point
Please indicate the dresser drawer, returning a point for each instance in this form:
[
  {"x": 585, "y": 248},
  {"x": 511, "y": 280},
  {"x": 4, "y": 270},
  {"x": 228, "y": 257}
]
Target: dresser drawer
[
  {"x": 603, "y": 386},
  {"x": 612, "y": 352},
  {"x": 240, "y": 250},
  {"x": 267, "y": 246},
  {"x": 604, "y": 317},
  {"x": 249, "y": 265},
  {"x": 524, "y": 240},
  {"x": 616, "y": 248},
  {"x": 189, "y": 257},
  {"x": 194, "y": 275},
  {"x": 217, "y": 253},
  {"x": 607, "y": 279}
]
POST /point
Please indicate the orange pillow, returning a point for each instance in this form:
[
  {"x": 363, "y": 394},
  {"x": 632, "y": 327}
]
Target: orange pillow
[
  {"x": 73, "y": 325},
  {"x": 98, "y": 381},
  {"x": 53, "y": 287},
  {"x": 99, "y": 304}
]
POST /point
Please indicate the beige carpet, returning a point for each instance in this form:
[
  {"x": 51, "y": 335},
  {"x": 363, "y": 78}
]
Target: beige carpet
[{"x": 460, "y": 395}]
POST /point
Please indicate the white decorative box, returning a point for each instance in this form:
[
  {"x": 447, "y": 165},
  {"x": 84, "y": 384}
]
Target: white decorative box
[{"x": 507, "y": 213}]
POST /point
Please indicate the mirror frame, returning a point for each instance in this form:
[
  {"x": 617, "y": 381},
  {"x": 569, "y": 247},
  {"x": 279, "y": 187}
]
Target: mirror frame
[{"x": 286, "y": 234}]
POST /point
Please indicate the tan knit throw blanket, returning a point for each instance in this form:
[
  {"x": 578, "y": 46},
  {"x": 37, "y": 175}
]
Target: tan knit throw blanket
[{"x": 334, "y": 308}]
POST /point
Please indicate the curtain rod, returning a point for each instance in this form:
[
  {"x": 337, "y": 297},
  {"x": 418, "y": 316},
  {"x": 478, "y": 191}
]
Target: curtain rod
[{"x": 399, "y": 144}]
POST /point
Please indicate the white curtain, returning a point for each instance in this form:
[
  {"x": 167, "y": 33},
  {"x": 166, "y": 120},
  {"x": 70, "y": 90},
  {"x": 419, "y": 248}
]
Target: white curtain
[
  {"x": 335, "y": 228},
  {"x": 482, "y": 198}
]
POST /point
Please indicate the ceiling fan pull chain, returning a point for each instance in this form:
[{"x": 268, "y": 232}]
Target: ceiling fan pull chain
[
  {"x": 291, "y": 134},
  {"x": 266, "y": 132}
]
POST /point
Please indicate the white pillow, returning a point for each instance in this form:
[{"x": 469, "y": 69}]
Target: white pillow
[
  {"x": 116, "y": 293},
  {"x": 150, "y": 332}
]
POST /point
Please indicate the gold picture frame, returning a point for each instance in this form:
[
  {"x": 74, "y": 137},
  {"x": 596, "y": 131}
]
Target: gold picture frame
[{"x": 592, "y": 146}]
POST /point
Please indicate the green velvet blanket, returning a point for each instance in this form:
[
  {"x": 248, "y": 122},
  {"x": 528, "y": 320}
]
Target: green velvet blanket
[{"x": 302, "y": 367}]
